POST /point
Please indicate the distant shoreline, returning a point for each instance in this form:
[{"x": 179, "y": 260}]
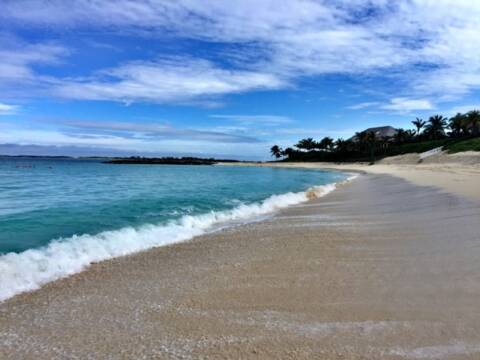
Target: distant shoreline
[{"x": 455, "y": 173}]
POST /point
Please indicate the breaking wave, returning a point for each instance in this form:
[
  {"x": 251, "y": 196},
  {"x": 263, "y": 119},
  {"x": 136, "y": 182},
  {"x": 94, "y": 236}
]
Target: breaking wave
[{"x": 29, "y": 270}]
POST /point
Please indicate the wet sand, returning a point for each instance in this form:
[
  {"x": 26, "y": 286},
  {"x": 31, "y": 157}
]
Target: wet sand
[{"x": 379, "y": 269}]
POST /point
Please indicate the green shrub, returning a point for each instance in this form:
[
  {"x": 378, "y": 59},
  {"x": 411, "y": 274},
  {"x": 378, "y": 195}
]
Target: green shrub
[
  {"x": 419, "y": 147},
  {"x": 466, "y": 145}
]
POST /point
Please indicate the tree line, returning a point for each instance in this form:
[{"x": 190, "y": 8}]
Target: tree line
[{"x": 437, "y": 130}]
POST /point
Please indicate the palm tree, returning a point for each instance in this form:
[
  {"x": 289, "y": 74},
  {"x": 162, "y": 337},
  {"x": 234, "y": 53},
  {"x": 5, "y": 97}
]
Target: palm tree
[
  {"x": 419, "y": 124},
  {"x": 371, "y": 140},
  {"x": 400, "y": 136},
  {"x": 319, "y": 145},
  {"x": 360, "y": 139},
  {"x": 341, "y": 145},
  {"x": 288, "y": 152},
  {"x": 307, "y": 144},
  {"x": 326, "y": 143},
  {"x": 410, "y": 135},
  {"x": 404, "y": 136},
  {"x": 367, "y": 140},
  {"x": 276, "y": 151},
  {"x": 473, "y": 121},
  {"x": 436, "y": 126},
  {"x": 458, "y": 125}
]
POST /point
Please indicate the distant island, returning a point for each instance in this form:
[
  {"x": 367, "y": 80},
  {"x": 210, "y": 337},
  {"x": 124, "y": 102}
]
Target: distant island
[{"x": 166, "y": 161}]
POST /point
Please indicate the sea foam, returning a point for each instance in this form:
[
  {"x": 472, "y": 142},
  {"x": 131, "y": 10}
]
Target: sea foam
[{"x": 29, "y": 270}]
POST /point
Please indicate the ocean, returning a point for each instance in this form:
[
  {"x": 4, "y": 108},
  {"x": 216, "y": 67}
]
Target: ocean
[{"x": 59, "y": 216}]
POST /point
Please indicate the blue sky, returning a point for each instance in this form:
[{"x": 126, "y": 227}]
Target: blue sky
[{"x": 218, "y": 78}]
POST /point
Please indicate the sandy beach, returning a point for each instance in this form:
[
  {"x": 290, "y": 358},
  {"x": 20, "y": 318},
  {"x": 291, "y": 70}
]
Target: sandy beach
[
  {"x": 381, "y": 268},
  {"x": 239, "y": 180}
]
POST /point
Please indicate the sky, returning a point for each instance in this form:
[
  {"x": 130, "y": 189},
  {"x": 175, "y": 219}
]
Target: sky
[{"x": 226, "y": 78}]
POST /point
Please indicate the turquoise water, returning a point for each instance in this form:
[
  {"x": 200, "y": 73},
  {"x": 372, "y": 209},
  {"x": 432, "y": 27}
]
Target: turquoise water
[
  {"x": 56, "y": 211},
  {"x": 62, "y": 198}
]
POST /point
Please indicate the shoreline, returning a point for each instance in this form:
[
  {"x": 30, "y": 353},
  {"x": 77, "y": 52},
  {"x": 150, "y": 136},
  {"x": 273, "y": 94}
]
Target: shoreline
[
  {"x": 49, "y": 263},
  {"x": 454, "y": 177},
  {"x": 355, "y": 274}
]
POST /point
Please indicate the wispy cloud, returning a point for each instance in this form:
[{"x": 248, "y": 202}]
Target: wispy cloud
[
  {"x": 406, "y": 105},
  {"x": 403, "y": 56},
  {"x": 259, "y": 120},
  {"x": 19, "y": 60},
  {"x": 78, "y": 151},
  {"x": 412, "y": 39},
  {"x": 6, "y": 109},
  {"x": 166, "y": 81},
  {"x": 64, "y": 141},
  {"x": 461, "y": 109},
  {"x": 363, "y": 105},
  {"x": 17, "y": 57},
  {"x": 62, "y": 150},
  {"x": 134, "y": 130},
  {"x": 395, "y": 105}
]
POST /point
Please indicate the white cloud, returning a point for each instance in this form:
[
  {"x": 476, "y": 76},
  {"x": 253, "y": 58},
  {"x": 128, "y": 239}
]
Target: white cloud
[
  {"x": 398, "y": 104},
  {"x": 257, "y": 120},
  {"x": 17, "y": 58},
  {"x": 175, "y": 143},
  {"x": 363, "y": 105},
  {"x": 167, "y": 80},
  {"x": 150, "y": 131},
  {"x": 461, "y": 109},
  {"x": 6, "y": 109},
  {"x": 184, "y": 16},
  {"x": 401, "y": 104},
  {"x": 56, "y": 137},
  {"x": 429, "y": 47}
]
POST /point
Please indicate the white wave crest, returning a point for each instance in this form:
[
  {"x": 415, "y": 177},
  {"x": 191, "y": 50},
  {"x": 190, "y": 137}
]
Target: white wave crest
[{"x": 32, "y": 268}]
